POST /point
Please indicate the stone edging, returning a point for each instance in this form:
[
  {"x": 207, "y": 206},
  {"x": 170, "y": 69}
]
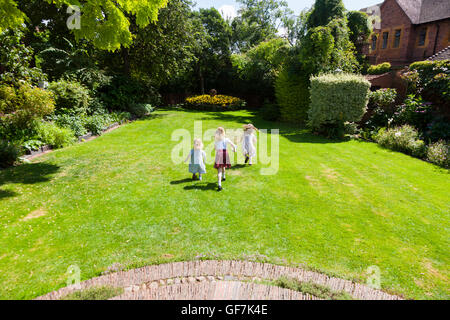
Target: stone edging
[{"x": 139, "y": 277}]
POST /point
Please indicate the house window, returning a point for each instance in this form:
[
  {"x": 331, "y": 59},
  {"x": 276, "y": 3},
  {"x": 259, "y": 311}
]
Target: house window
[
  {"x": 374, "y": 42},
  {"x": 422, "y": 37},
  {"x": 385, "y": 39},
  {"x": 398, "y": 35}
]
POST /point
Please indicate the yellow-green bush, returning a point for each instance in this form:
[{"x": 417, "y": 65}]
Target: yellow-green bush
[
  {"x": 214, "y": 102},
  {"x": 292, "y": 94},
  {"x": 380, "y": 68},
  {"x": 337, "y": 98}
]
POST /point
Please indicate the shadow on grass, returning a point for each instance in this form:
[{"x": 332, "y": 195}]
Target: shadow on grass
[
  {"x": 26, "y": 174},
  {"x": 202, "y": 186},
  {"x": 187, "y": 180}
]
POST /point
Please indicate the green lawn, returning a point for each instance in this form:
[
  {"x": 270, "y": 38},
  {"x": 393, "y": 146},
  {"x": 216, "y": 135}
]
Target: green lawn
[{"x": 335, "y": 207}]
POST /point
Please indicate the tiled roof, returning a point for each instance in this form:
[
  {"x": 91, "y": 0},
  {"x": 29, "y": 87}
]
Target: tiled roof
[
  {"x": 423, "y": 11},
  {"x": 441, "y": 55}
]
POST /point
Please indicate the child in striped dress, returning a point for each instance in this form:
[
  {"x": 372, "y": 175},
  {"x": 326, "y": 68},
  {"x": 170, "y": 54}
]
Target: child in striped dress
[{"x": 222, "y": 161}]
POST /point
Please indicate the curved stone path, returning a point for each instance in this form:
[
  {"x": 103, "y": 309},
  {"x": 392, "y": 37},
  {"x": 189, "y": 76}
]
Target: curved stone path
[{"x": 209, "y": 280}]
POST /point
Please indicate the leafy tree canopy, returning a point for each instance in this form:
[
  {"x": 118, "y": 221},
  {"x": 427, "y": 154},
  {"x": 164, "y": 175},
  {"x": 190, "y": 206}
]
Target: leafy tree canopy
[
  {"x": 324, "y": 11},
  {"x": 105, "y": 23}
]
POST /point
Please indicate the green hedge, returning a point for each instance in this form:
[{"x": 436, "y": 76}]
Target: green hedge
[
  {"x": 292, "y": 94},
  {"x": 337, "y": 98},
  {"x": 380, "y": 68}
]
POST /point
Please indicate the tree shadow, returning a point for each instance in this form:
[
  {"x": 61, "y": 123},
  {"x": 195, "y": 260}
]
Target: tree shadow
[
  {"x": 237, "y": 167},
  {"x": 7, "y": 194},
  {"x": 202, "y": 186},
  {"x": 31, "y": 173}
]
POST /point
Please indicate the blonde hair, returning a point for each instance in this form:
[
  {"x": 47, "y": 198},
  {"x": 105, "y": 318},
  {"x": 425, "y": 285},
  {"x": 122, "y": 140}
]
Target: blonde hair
[
  {"x": 220, "y": 134},
  {"x": 198, "y": 144}
]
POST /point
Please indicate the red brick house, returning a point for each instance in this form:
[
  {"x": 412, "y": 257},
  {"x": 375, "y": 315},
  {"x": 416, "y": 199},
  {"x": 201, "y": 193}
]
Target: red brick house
[{"x": 408, "y": 30}]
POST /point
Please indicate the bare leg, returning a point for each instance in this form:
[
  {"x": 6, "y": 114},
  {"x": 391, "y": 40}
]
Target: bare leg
[
  {"x": 219, "y": 178},
  {"x": 223, "y": 174}
]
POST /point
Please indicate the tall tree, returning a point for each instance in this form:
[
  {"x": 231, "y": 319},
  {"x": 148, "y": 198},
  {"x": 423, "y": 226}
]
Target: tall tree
[
  {"x": 259, "y": 20},
  {"x": 105, "y": 23},
  {"x": 324, "y": 11}
]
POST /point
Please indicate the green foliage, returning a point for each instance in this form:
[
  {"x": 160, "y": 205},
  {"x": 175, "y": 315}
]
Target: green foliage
[
  {"x": 324, "y": 11},
  {"x": 360, "y": 29},
  {"x": 383, "y": 98},
  {"x": 71, "y": 97},
  {"x": 141, "y": 109},
  {"x": 431, "y": 79},
  {"x": 96, "y": 293},
  {"x": 21, "y": 108},
  {"x": 322, "y": 292},
  {"x": 9, "y": 153},
  {"x": 105, "y": 23},
  {"x": 32, "y": 145},
  {"x": 258, "y": 21},
  {"x": 292, "y": 93},
  {"x": 336, "y": 99},
  {"x": 123, "y": 91},
  {"x": 439, "y": 153},
  {"x": 10, "y": 16},
  {"x": 76, "y": 123},
  {"x": 97, "y": 123},
  {"x": 438, "y": 129},
  {"x": 270, "y": 111},
  {"x": 414, "y": 111},
  {"x": 52, "y": 135},
  {"x": 379, "y": 68},
  {"x": 16, "y": 59},
  {"x": 257, "y": 69},
  {"x": 404, "y": 139}
]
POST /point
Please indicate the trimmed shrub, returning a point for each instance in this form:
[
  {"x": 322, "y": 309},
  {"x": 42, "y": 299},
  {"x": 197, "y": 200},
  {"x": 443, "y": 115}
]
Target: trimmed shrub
[
  {"x": 380, "y": 68},
  {"x": 140, "y": 109},
  {"x": 336, "y": 99},
  {"x": 71, "y": 97},
  {"x": 56, "y": 137},
  {"x": 404, "y": 139},
  {"x": 9, "y": 153},
  {"x": 439, "y": 153},
  {"x": 292, "y": 94}
]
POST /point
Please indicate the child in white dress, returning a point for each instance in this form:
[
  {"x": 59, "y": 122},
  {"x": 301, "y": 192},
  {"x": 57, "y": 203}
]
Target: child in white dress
[
  {"x": 197, "y": 160},
  {"x": 249, "y": 142},
  {"x": 222, "y": 157}
]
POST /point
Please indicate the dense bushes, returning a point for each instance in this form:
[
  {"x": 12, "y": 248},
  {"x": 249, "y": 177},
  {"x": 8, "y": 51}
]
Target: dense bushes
[
  {"x": 9, "y": 153},
  {"x": 439, "y": 153},
  {"x": 54, "y": 136},
  {"x": 270, "y": 111},
  {"x": 404, "y": 139},
  {"x": 379, "y": 69},
  {"x": 336, "y": 99},
  {"x": 21, "y": 108},
  {"x": 430, "y": 79},
  {"x": 140, "y": 109},
  {"x": 292, "y": 94},
  {"x": 71, "y": 97}
]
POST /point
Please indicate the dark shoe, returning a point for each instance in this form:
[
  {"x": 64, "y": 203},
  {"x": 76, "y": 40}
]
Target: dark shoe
[
  {"x": 194, "y": 177},
  {"x": 219, "y": 188},
  {"x": 224, "y": 179},
  {"x": 246, "y": 159}
]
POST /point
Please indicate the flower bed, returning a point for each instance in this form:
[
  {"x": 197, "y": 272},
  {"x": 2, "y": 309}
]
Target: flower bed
[{"x": 214, "y": 103}]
